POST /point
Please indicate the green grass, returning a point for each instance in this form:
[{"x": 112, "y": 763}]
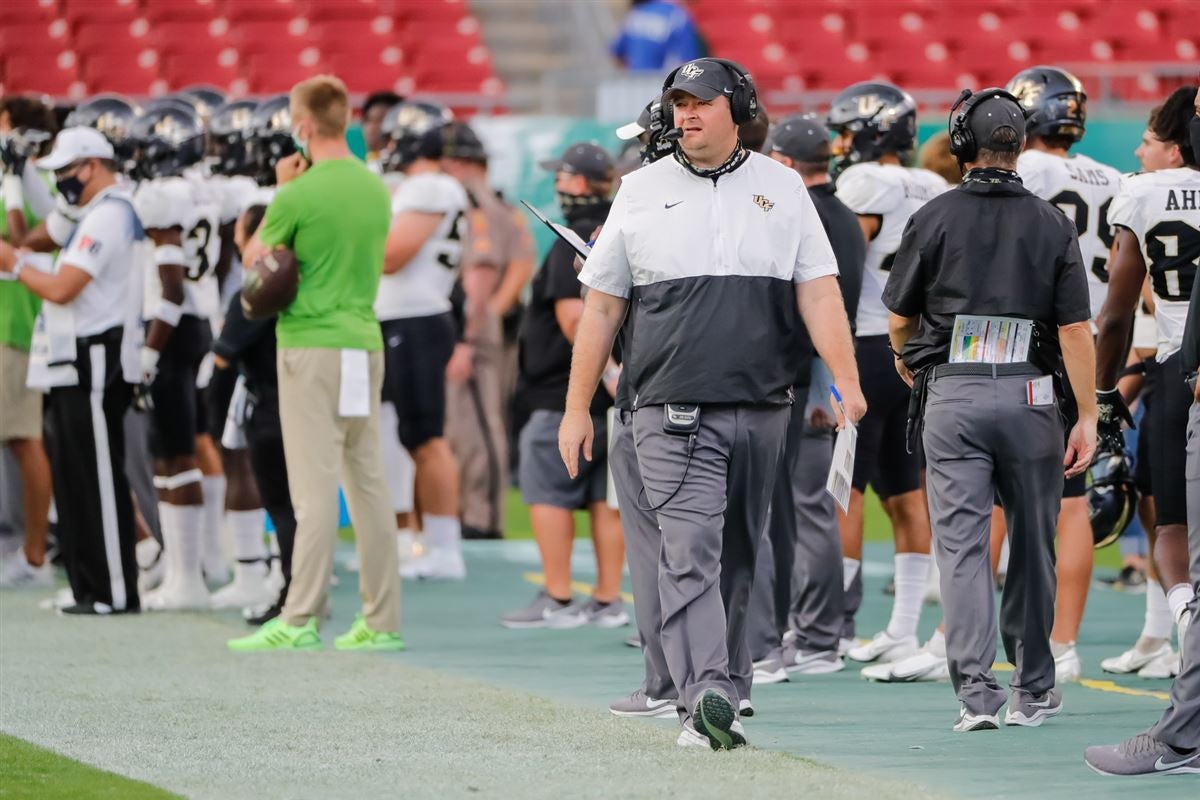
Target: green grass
[{"x": 32, "y": 772}]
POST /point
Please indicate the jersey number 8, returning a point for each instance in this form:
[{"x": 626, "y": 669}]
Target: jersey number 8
[{"x": 1174, "y": 250}]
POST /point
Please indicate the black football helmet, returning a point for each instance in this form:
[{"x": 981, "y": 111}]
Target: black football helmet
[
  {"x": 167, "y": 139},
  {"x": 31, "y": 135},
  {"x": 205, "y": 99},
  {"x": 227, "y": 145},
  {"x": 1111, "y": 494},
  {"x": 1053, "y": 101},
  {"x": 413, "y": 130},
  {"x": 881, "y": 116},
  {"x": 270, "y": 135},
  {"x": 459, "y": 140},
  {"x": 113, "y": 116}
]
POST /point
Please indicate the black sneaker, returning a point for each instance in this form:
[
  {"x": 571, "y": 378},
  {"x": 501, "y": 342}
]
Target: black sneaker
[
  {"x": 262, "y": 616},
  {"x": 95, "y": 610}
]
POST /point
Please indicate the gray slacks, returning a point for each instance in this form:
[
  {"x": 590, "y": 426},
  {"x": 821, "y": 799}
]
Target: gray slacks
[
  {"x": 981, "y": 437},
  {"x": 643, "y": 543},
  {"x": 1180, "y": 723},
  {"x": 1192, "y": 477},
  {"x": 711, "y": 509},
  {"x": 798, "y": 577}
]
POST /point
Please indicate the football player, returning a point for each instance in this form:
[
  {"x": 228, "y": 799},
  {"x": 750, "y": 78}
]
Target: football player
[
  {"x": 420, "y": 333},
  {"x": 1055, "y": 108},
  {"x": 1157, "y": 220},
  {"x": 875, "y": 125},
  {"x": 181, "y": 298}
]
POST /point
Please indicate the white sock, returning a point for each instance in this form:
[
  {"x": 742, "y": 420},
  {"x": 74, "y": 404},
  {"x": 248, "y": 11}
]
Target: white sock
[
  {"x": 1158, "y": 614},
  {"x": 246, "y": 530},
  {"x": 443, "y": 533},
  {"x": 147, "y": 550},
  {"x": 168, "y": 522},
  {"x": 1178, "y": 598},
  {"x": 191, "y": 541},
  {"x": 1002, "y": 563},
  {"x": 214, "y": 506},
  {"x": 273, "y": 545},
  {"x": 850, "y": 567},
  {"x": 912, "y": 570}
]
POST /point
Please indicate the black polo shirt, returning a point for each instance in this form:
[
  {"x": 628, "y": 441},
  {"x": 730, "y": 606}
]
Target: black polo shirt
[
  {"x": 545, "y": 353},
  {"x": 249, "y": 345},
  {"x": 988, "y": 249},
  {"x": 1189, "y": 352}
]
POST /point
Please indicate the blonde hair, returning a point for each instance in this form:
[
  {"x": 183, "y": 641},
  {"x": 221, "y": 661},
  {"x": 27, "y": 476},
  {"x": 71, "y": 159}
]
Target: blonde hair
[
  {"x": 324, "y": 100},
  {"x": 935, "y": 156}
]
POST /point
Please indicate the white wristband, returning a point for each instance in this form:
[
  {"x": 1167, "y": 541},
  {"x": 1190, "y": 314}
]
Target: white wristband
[
  {"x": 170, "y": 254},
  {"x": 168, "y": 312},
  {"x": 14, "y": 194}
]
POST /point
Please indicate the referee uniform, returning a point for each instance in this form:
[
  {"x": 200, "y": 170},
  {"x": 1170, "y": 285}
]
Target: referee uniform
[
  {"x": 708, "y": 260},
  {"x": 86, "y": 354},
  {"x": 991, "y": 422}
]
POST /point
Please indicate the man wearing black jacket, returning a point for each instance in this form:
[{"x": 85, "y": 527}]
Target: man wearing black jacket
[
  {"x": 250, "y": 347},
  {"x": 798, "y": 592}
]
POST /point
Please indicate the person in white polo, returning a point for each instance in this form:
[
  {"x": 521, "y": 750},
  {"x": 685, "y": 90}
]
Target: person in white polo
[{"x": 86, "y": 354}]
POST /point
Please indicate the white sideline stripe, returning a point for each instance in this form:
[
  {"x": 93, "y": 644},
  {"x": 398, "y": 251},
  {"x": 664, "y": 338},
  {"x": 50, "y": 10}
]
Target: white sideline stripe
[{"x": 108, "y": 495}]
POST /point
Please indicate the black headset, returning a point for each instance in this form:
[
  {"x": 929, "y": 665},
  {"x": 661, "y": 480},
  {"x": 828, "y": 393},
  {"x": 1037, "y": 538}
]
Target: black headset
[
  {"x": 962, "y": 141},
  {"x": 743, "y": 103}
]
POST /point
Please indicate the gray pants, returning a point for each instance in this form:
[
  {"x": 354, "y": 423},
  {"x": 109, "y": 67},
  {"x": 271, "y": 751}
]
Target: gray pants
[
  {"x": 139, "y": 469},
  {"x": 712, "y": 508},
  {"x": 1180, "y": 723},
  {"x": 798, "y": 578},
  {"x": 1192, "y": 476},
  {"x": 982, "y": 438},
  {"x": 643, "y": 543}
]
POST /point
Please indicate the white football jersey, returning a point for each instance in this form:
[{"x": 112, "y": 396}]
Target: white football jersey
[
  {"x": 893, "y": 193},
  {"x": 422, "y": 286},
  {"x": 188, "y": 204},
  {"x": 1162, "y": 209},
  {"x": 1082, "y": 189}
]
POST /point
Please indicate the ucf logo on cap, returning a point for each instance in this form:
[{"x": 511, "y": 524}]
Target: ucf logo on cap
[
  {"x": 691, "y": 71},
  {"x": 763, "y": 203}
]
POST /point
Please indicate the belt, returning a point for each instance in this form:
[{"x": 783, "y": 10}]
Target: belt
[{"x": 990, "y": 370}]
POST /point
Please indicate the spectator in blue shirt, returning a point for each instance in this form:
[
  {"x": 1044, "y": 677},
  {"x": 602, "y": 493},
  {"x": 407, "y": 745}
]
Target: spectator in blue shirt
[{"x": 656, "y": 34}]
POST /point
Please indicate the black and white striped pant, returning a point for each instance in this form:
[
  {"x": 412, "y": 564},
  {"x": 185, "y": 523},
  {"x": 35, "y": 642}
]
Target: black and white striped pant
[{"x": 84, "y": 428}]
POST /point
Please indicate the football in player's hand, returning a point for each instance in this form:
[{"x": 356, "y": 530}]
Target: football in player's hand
[{"x": 269, "y": 285}]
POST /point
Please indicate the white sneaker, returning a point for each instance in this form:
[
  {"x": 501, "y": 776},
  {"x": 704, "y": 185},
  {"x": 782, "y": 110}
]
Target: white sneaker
[
  {"x": 18, "y": 573},
  {"x": 63, "y": 598},
  {"x": 844, "y": 645},
  {"x": 1067, "y": 666},
  {"x": 406, "y": 546},
  {"x": 275, "y": 579},
  {"x": 437, "y": 565},
  {"x": 927, "y": 664},
  {"x": 745, "y": 708},
  {"x": 769, "y": 670},
  {"x": 968, "y": 722},
  {"x": 185, "y": 593},
  {"x": 1165, "y": 666},
  {"x": 688, "y": 737},
  {"x": 1133, "y": 659},
  {"x": 248, "y": 590},
  {"x": 572, "y": 615},
  {"x": 883, "y": 648},
  {"x": 152, "y": 566}
]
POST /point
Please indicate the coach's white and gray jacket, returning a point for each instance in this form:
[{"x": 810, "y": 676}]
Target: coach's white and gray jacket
[{"x": 709, "y": 267}]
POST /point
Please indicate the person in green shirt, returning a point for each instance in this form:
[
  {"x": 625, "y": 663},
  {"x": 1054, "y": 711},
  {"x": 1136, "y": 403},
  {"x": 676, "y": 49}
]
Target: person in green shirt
[
  {"x": 21, "y": 415},
  {"x": 333, "y": 213}
]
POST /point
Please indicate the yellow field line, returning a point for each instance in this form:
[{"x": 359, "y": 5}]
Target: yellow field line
[
  {"x": 1109, "y": 686},
  {"x": 539, "y": 579}
]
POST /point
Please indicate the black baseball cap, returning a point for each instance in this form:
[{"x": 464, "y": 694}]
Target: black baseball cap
[
  {"x": 584, "y": 158},
  {"x": 802, "y": 137},
  {"x": 703, "y": 78},
  {"x": 991, "y": 115}
]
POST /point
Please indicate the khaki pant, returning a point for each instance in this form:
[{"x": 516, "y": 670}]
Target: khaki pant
[
  {"x": 320, "y": 447},
  {"x": 477, "y": 434}
]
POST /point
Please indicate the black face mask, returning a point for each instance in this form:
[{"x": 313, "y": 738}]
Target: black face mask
[
  {"x": 70, "y": 188},
  {"x": 580, "y": 206}
]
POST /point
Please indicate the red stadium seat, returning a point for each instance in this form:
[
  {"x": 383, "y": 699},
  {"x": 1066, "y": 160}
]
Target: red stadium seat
[
  {"x": 186, "y": 67},
  {"x": 435, "y": 10},
  {"x": 358, "y": 33},
  {"x": 270, "y": 73},
  {"x": 28, "y": 11},
  {"x": 112, "y": 35},
  {"x": 81, "y": 12},
  {"x": 364, "y": 72},
  {"x": 180, "y": 10},
  {"x": 124, "y": 66},
  {"x": 352, "y": 9},
  {"x": 51, "y": 72}
]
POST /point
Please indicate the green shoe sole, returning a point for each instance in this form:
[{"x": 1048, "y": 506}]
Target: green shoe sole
[{"x": 391, "y": 646}]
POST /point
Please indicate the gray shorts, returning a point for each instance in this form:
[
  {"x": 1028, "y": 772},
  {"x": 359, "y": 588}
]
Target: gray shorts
[{"x": 542, "y": 475}]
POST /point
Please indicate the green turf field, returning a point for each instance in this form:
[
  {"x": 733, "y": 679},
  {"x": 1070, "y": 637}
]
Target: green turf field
[{"x": 474, "y": 710}]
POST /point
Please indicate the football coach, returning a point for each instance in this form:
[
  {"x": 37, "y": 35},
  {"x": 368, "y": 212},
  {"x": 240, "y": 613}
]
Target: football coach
[{"x": 717, "y": 253}]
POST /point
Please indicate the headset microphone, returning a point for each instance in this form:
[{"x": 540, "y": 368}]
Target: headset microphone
[{"x": 673, "y": 134}]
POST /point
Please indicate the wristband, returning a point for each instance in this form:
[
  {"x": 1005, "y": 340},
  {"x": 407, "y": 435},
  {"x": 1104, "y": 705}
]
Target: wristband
[
  {"x": 170, "y": 255},
  {"x": 168, "y": 312}
]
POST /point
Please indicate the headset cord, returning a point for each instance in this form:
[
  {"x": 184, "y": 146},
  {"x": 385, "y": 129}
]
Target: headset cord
[{"x": 691, "y": 446}]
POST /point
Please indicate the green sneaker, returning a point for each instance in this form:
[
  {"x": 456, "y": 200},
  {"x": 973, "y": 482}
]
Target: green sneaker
[
  {"x": 278, "y": 635},
  {"x": 361, "y": 637}
]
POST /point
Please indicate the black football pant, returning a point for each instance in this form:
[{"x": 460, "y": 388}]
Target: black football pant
[{"x": 264, "y": 439}]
